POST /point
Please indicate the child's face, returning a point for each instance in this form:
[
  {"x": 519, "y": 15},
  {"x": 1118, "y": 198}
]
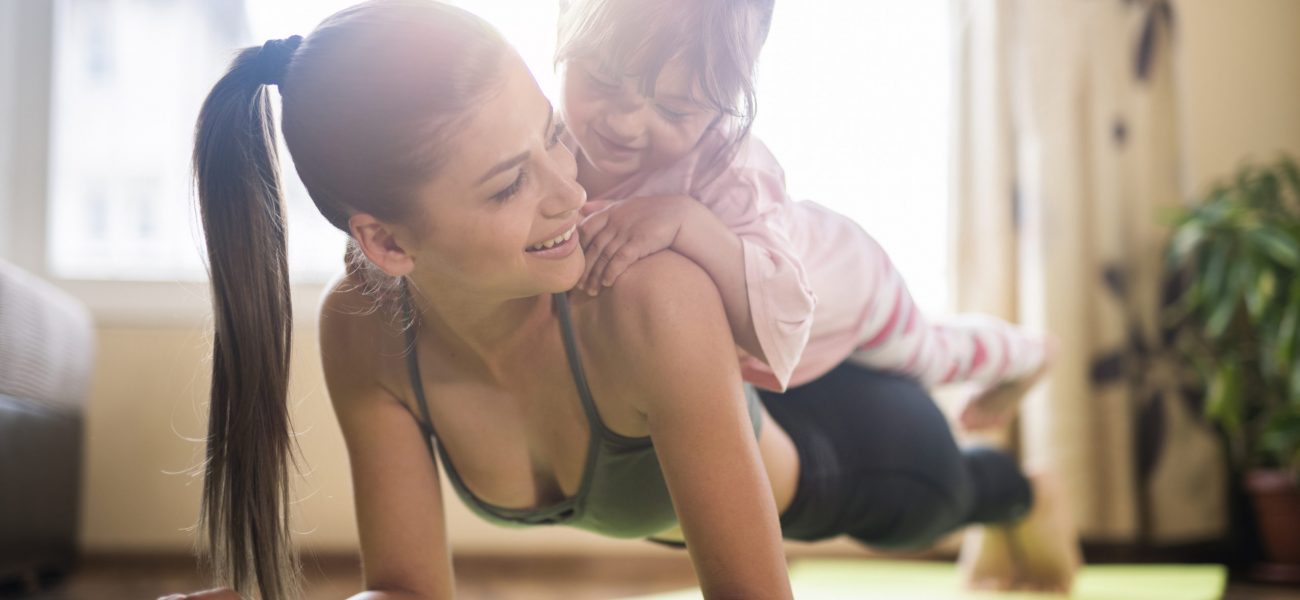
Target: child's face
[{"x": 622, "y": 131}]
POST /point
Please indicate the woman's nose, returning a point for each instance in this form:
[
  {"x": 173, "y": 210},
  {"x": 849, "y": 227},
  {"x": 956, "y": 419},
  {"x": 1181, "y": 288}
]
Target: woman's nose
[{"x": 566, "y": 195}]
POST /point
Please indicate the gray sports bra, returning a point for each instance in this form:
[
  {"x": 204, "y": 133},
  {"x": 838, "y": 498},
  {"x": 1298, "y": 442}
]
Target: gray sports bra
[{"x": 622, "y": 494}]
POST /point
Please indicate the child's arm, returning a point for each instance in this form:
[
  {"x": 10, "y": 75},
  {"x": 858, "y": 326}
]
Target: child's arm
[
  {"x": 736, "y": 230},
  {"x": 619, "y": 233}
]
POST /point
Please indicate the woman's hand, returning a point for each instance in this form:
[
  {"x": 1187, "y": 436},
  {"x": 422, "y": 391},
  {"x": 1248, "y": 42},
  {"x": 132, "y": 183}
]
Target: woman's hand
[
  {"x": 616, "y": 234},
  {"x": 214, "y": 594}
]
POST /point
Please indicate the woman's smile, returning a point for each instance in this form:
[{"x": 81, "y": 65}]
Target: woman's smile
[{"x": 559, "y": 246}]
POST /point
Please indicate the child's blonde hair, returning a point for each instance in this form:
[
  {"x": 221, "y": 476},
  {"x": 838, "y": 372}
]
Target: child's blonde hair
[{"x": 718, "y": 39}]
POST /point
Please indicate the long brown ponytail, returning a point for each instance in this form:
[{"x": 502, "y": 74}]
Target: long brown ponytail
[
  {"x": 244, "y": 511},
  {"x": 368, "y": 103}
]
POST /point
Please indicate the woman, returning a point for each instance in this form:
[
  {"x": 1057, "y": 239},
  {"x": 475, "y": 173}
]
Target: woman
[{"x": 420, "y": 133}]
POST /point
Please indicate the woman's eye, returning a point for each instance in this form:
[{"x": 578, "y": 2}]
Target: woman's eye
[
  {"x": 512, "y": 189},
  {"x": 555, "y": 137}
]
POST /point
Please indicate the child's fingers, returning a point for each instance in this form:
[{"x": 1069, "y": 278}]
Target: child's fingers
[
  {"x": 620, "y": 259},
  {"x": 611, "y": 248},
  {"x": 593, "y": 252},
  {"x": 590, "y": 283},
  {"x": 590, "y": 227},
  {"x": 600, "y": 270}
]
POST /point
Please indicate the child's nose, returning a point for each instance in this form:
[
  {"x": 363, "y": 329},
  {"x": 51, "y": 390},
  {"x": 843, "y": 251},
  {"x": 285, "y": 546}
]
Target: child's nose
[{"x": 624, "y": 125}]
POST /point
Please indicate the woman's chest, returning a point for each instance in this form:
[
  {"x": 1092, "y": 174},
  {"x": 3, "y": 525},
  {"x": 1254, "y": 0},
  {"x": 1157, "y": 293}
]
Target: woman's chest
[{"x": 522, "y": 445}]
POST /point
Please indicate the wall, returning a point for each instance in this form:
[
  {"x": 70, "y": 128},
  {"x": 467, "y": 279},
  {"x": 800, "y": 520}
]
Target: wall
[{"x": 1240, "y": 75}]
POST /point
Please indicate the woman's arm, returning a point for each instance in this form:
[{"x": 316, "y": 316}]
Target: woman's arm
[
  {"x": 399, "y": 505},
  {"x": 664, "y": 330}
]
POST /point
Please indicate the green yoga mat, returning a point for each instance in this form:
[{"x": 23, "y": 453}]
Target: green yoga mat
[{"x": 914, "y": 580}]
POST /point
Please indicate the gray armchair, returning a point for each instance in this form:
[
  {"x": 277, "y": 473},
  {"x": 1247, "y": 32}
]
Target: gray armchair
[{"x": 46, "y": 353}]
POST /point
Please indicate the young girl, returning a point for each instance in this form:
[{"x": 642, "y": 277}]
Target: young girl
[{"x": 658, "y": 99}]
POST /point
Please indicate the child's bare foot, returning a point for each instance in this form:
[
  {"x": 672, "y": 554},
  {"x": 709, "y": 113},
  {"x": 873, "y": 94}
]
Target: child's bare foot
[
  {"x": 1045, "y": 544},
  {"x": 994, "y": 407},
  {"x": 985, "y": 562}
]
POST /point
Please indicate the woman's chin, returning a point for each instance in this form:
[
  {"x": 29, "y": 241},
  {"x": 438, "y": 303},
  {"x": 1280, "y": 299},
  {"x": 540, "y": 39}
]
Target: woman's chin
[{"x": 566, "y": 275}]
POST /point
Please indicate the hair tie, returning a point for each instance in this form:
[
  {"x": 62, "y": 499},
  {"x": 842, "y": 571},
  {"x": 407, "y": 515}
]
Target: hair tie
[{"x": 273, "y": 59}]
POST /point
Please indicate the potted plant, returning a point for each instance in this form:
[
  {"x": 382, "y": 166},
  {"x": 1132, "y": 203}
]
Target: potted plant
[{"x": 1237, "y": 256}]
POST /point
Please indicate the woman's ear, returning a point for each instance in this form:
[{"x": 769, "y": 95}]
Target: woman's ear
[{"x": 379, "y": 243}]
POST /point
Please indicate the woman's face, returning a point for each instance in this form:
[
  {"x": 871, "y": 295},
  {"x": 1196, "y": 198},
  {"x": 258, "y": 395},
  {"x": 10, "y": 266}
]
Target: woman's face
[{"x": 503, "y": 211}]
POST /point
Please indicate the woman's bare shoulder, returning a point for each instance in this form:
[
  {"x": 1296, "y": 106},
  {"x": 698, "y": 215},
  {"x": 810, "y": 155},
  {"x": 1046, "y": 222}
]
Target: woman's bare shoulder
[
  {"x": 361, "y": 341},
  {"x": 663, "y": 310},
  {"x": 663, "y": 291}
]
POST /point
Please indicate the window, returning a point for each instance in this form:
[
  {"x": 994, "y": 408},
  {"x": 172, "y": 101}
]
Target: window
[
  {"x": 853, "y": 101},
  {"x": 129, "y": 78}
]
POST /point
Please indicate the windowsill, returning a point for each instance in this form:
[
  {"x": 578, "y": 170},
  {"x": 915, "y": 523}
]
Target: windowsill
[{"x": 168, "y": 304}]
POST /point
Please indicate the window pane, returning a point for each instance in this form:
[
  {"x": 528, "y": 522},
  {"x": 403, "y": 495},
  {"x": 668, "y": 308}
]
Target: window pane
[
  {"x": 853, "y": 100},
  {"x": 129, "y": 78}
]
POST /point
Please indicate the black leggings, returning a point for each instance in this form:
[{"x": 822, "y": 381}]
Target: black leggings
[{"x": 877, "y": 462}]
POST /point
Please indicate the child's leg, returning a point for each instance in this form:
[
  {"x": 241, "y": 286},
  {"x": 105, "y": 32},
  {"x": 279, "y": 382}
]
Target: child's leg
[{"x": 961, "y": 348}]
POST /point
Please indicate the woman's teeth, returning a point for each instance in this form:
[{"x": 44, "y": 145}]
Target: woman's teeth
[{"x": 558, "y": 240}]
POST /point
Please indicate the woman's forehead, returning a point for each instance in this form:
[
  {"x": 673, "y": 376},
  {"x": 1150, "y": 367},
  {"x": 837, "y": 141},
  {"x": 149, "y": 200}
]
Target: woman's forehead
[{"x": 505, "y": 125}]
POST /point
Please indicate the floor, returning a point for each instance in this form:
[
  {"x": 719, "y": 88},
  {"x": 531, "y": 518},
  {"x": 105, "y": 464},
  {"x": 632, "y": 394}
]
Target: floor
[{"x": 478, "y": 578}]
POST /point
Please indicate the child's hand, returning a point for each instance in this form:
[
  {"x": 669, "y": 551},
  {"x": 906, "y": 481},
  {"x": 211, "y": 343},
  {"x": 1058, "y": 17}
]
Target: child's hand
[{"x": 616, "y": 234}]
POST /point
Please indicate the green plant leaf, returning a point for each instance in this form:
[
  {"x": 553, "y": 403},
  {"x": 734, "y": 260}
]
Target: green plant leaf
[
  {"x": 1288, "y": 329},
  {"x": 1278, "y": 245},
  {"x": 1225, "y": 307},
  {"x": 1275, "y": 340},
  {"x": 1290, "y": 173},
  {"x": 1216, "y": 271},
  {"x": 1266, "y": 285},
  {"x": 1221, "y": 317},
  {"x": 1187, "y": 237},
  {"x": 1223, "y": 404},
  {"x": 1256, "y": 301},
  {"x": 1173, "y": 216},
  {"x": 1266, "y": 191},
  {"x": 1244, "y": 176},
  {"x": 1294, "y": 395},
  {"x": 1279, "y": 440}
]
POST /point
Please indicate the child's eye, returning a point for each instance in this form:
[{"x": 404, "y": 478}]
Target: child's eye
[
  {"x": 671, "y": 115},
  {"x": 601, "y": 82},
  {"x": 512, "y": 189}
]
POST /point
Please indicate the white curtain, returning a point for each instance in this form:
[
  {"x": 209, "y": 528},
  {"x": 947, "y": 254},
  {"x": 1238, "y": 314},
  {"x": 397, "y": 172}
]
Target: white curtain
[{"x": 1066, "y": 150}]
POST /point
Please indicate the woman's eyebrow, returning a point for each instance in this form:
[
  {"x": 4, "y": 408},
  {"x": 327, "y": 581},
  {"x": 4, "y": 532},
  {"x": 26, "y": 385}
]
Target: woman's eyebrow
[{"x": 509, "y": 163}]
